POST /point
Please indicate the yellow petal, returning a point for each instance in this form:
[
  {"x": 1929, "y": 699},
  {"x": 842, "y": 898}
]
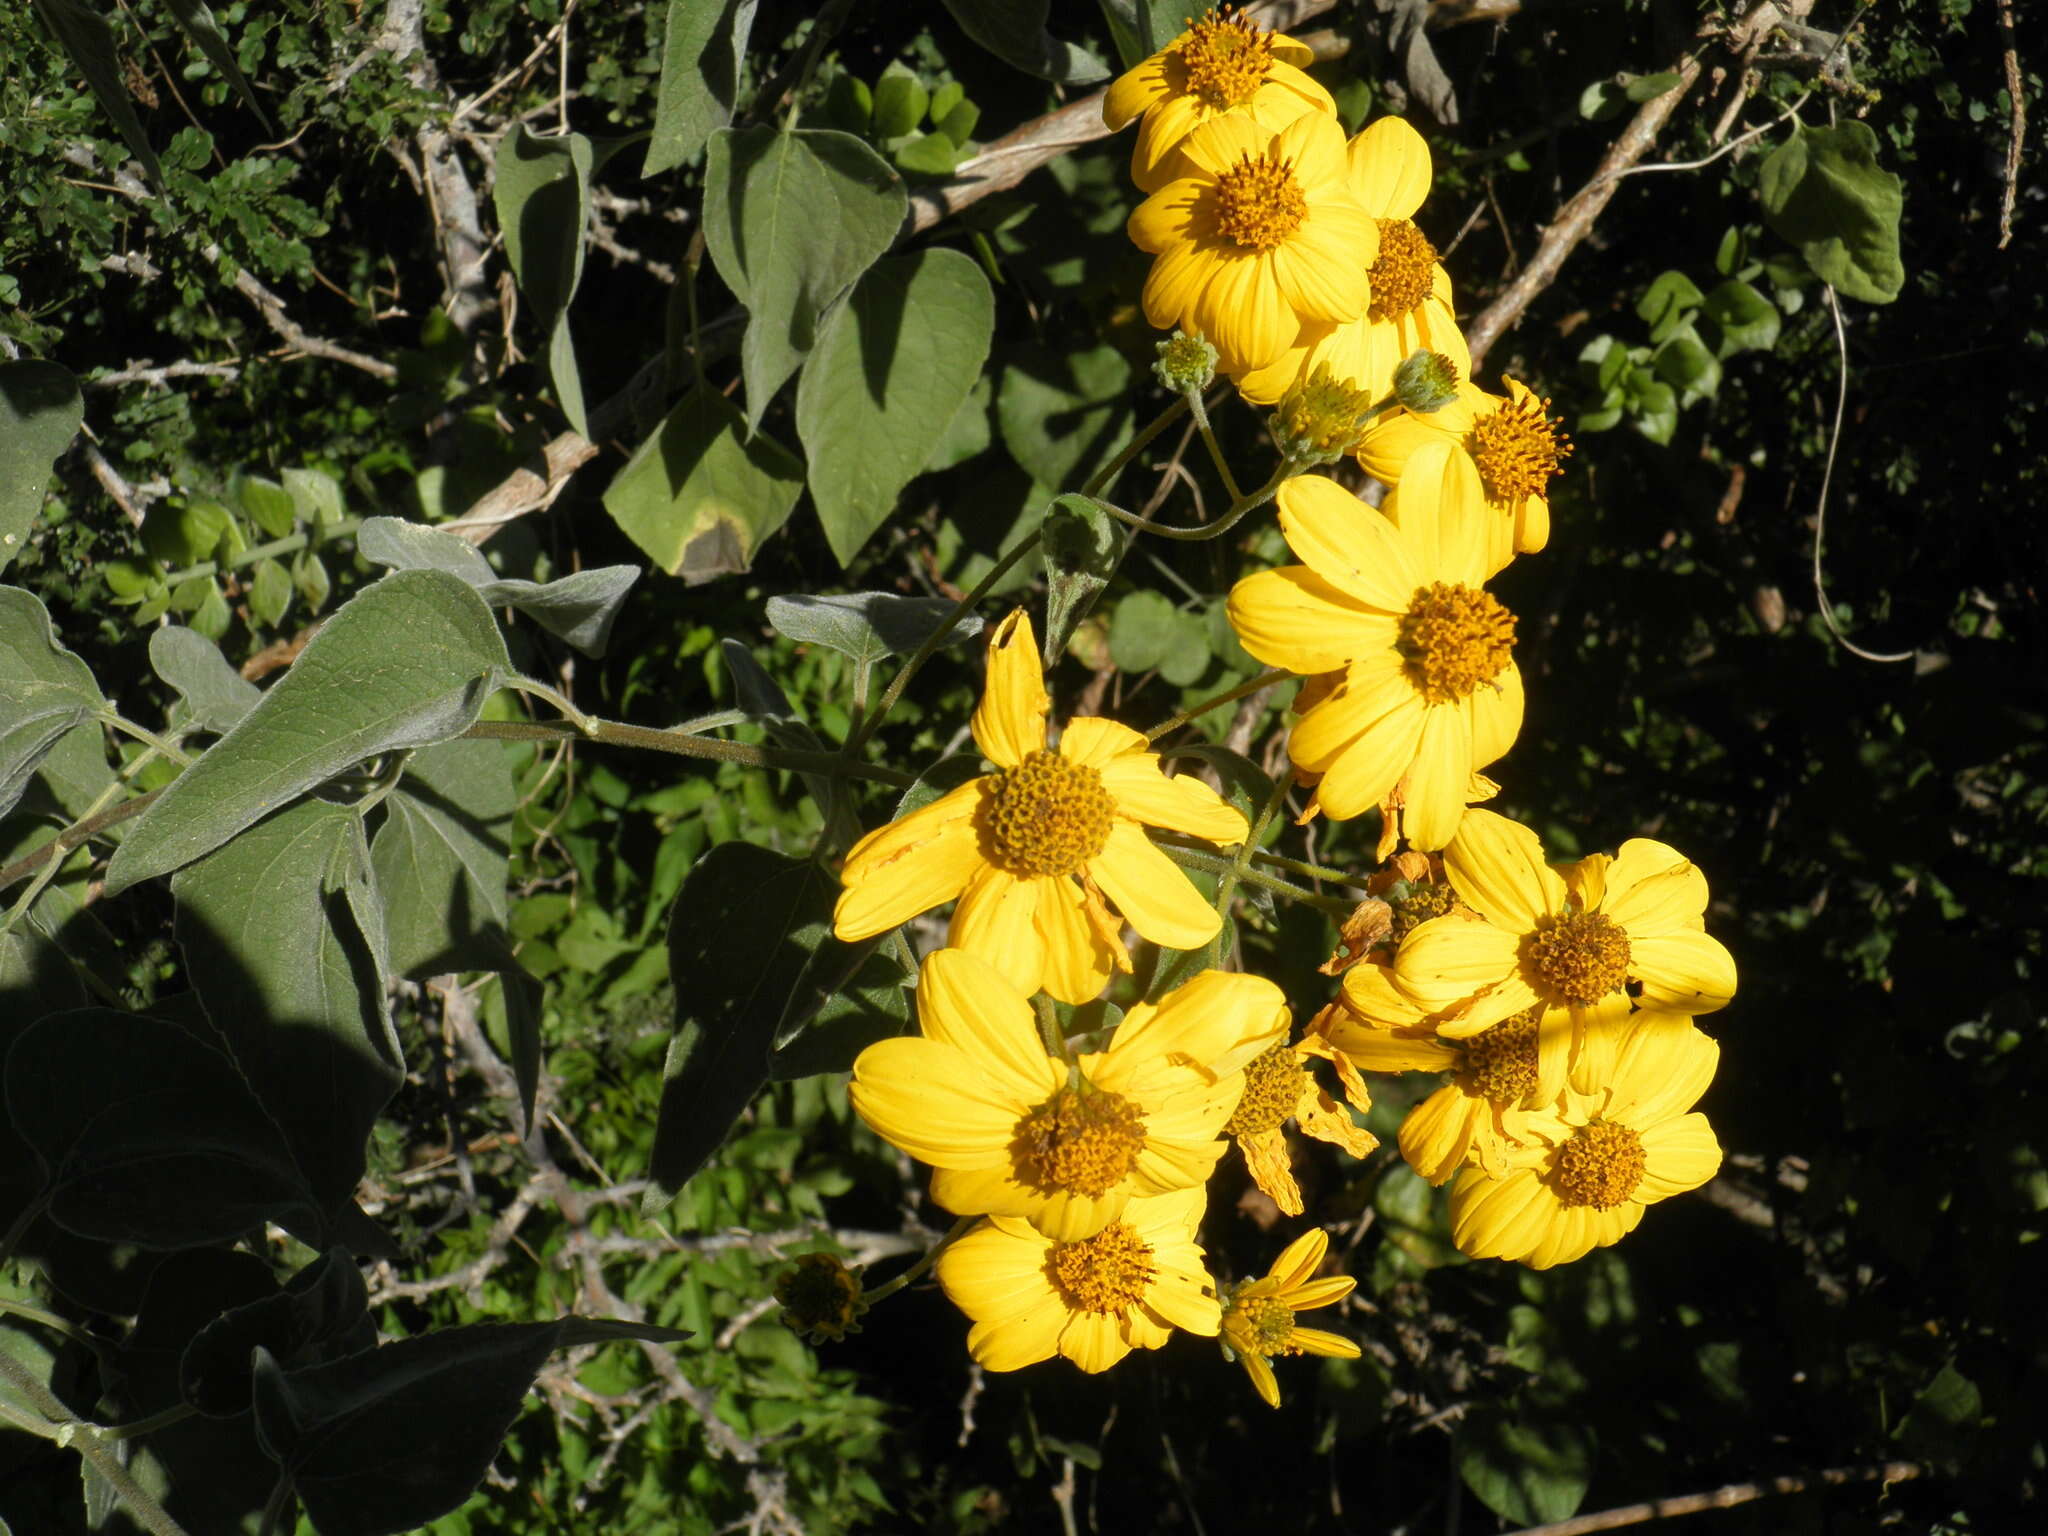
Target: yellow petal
[
  {"x": 1436, "y": 1136},
  {"x": 1185, "y": 1296},
  {"x": 1096, "y": 742},
  {"x": 987, "y": 1191},
  {"x": 1216, "y": 1022},
  {"x": 1499, "y": 1218},
  {"x": 1266, "y": 1159},
  {"x": 1314, "y": 145},
  {"x": 1498, "y": 868},
  {"x": 1182, "y": 803},
  {"x": 1433, "y": 789},
  {"x": 1448, "y": 962},
  {"x": 1019, "y": 1341},
  {"x": 1265, "y": 386},
  {"x": 1079, "y": 956},
  {"x": 1322, "y": 1117},
  {"x": 1362, "y": 739},
  {"x": 1151, "y": 892},
  {"x": 1679, "y": 1155},
  {"x": 1169, "y": 1163},
  {"x": 997, "y": 919},
  {"x": 911, "y": 865},
  {"x": 1067, "y": 1216},
  {"x": 1156, "y": 158},
  {"x": 1137, "y": 88},
  {"x": 1684, "y": 972},
  {"x": 1662, "y": 1066},
  {"x": 1349, "y": 544},
  {"x": 1293, "y": 618},
  {"x": 1323, "y": 269},
  {"x": 1318, "y": 1341},
  {"x": 1653, "y": 888},
  {"x": 1389, "y": 166},
  {"x": 1165, "y": 223},
  {"x": 1242, "y": 311},
  {"x": 1299, "y": 1259},
  {"x": 965, "y": 1002},
  {"x": 1496, "y": 716},
  {"x": 935, "y": 1103},
  {"x": 991, "y": 1272},
  {"x": 1009, "y": 724},
  {"x": 1092, "y": 1341}
]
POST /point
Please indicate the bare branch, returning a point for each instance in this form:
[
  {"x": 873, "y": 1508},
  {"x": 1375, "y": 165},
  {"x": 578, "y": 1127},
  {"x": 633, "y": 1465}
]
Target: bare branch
[
  {"x": 146, "y": 372},
  {"x": 523, "y": 491},
  {"x": 1726, "y": 1498}
]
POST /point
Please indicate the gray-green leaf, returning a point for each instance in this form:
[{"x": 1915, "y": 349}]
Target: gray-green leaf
[
  {"x": 1824, "y": 191},
  {"x": 405, "y": 663},
  {"x": 40, "y": 411},
  {"x": 214, "y": 692}
]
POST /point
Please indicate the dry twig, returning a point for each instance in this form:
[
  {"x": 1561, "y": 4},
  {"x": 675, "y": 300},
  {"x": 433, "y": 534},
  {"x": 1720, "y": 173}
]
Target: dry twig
[{"x": 1725, "y": 1498}]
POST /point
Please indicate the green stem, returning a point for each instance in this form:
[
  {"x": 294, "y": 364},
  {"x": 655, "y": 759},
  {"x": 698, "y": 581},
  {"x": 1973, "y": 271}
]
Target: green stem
[
  {"x": 290, "y": 544},
  {"x": 615, "y": 733},
  {"x": 534, "y": 688},
  {"x": 48, "y": 872},
  {"x": 148, "y": 738},
  {"x": 1310, "y": 871},
  {"x": 86, "y": 1439},
  {"x": 1106, "y": 476},
  {"x": 274, "y": 1506},
  {"x": 1216, "y": 864},
  {"x": 1228, "y": 696},
  {"x": 1222, "y": 525},
  {"x": 1208, "y": 432},
  {"x": 932, "y": 642},
  {"x": 916, "y": 1271},
  {"x": 78, "y": 832},
  {"x": 1049, "y": 1029},
  {"x": 53, "y": 1322},
  {"x": 1240, "y": 864},
  {"x": 177, "y": 1413}
]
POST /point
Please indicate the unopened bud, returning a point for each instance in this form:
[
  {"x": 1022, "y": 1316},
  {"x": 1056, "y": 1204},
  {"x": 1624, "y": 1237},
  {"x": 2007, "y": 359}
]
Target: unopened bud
[
  {"x": 820, "y": 1298},
  {"x": 1187, "y": 364},
  {"x": 1425, "y": 381},
  {"x": 1321, "y": 417}
]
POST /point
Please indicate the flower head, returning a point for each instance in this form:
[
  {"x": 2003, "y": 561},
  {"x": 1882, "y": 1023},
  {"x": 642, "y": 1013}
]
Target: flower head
[
  {"x": 1258, "y": 1315},
  {"x": 1510, "y": 441},
  {"x": 1257, "y": 233},
  {"x": 820, "y": 1298},
  {"x": 1092, "y": 1299},
  {"x": 1599, "y": 1158},
  {"x": 1410, "y": 308},
  {"x": 1279, "y": 1087},
  {"x": 1424, "y": 690},
  {"x": 1574, "y": 942},
  {"x": 1032, "y": 850},
  {"x": 1013, "y": 1131},
  {"x": 1224, "y": 65}
]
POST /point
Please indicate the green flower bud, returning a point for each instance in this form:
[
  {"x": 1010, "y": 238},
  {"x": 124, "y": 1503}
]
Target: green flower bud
[
  {"x": 1426, "y": 381},
  {"x": 1187, "y": 364},
  {"x": 1321, "y": 417}
]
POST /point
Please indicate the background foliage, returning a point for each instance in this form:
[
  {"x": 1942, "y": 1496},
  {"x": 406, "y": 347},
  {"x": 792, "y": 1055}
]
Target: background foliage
[{"x": 371, "y": 300}]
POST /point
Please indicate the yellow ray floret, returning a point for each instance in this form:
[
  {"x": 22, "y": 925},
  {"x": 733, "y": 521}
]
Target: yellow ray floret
[
  {"x": 1015, "y": 1132},
  {"x": 1033, "y": 850},
  {"x": 1258, "y": 1316}
]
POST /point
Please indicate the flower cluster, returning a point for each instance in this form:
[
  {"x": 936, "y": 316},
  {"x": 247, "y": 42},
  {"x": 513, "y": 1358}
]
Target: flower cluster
[{"x": 1557, "y": 1000}]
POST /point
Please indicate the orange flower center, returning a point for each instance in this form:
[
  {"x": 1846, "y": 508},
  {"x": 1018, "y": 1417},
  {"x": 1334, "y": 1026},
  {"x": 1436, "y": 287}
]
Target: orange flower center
[
  {"x": 1105, "y": 1273},
  {"x": 1226, "y": 58},
  {"x": 1422, "y": 903},
  {"x": 1263, "y": 1325},
  {"x": 1500, "y": 1063},
  {"x": 1580, "y": 957},
  {"x": 1080, "y": 1141},
  {"x": 1259, "y": 203},
  {"x": 1517, "y": 448},
  {"x": 1404, "y": 273},
  {"x": 1046, "y": 816},
  {"x": 1272, "y": 1088},
  {"x": 1454, "y": 638},
  {"x": 1600, "y": 1166}
]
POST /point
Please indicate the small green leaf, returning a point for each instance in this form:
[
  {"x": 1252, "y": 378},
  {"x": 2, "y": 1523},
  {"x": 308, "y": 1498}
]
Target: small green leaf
[
  {"x": 1824, "y": 191},
  {"x": 440, "y": 859},
  {"x": 1603, "y": 99},
  {"x": 891, "y": 366},
  {"x": 1014, "y": 31},
  {"x": 702, "y": 43},
  {"x": 1142, "y": 630},
  {"x": 1062, "y": 415},
  {"x": 1745, "y": 320},
  {"x": 1649, "y": 87},
  {"x": 929, "y": 154},
  {"x": 269, "y": 505},
  {"x": 215, "y": 694},
  {"x": 867, "y": 625},
  {"x": 45, "y": 691},
  {"x": 197, "y": 20},
  {"x": 1081, "y": 544},
  {"x": 270, "y": 593},
  {"x": 1732, "y": 252},
  {"x": 40, "y": 412},
  {"x": 791, "y": 220},
  {"x": 1527, "y": 1473},
  {"x": 1687, "y": 365},
  {"x": 542, "y": 192},
  {"x": 1667, "y": 303},
  {"x": 406, "y": 662},
  {"x": 699, "y": 496},
  {"x": 744, "y": 925},
  {"x": 316, "y": 496},
  {"x": 900, "y": 102}
]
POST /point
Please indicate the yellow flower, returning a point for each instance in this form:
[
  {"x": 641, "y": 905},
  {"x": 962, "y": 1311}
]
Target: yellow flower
[
  {"x": 1570, "y": 939},
  {"x": 1428, "y": 691},
  {"x": 1223, "y": 65},
  {"x": 1257, "y": 233},
  {"x": 1512, "y": 442},
  {"x": 1600, "y": 1157},
  {"x": 1278, "y": 1087},
  {"x": 1032, "y": 849},
  {"x": 1410, "y": 310},
  {"x": 1094, "y": 1299},
  {"x": 1258, "y": 1316},
  {"x": 1012, "y": 1131}
]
